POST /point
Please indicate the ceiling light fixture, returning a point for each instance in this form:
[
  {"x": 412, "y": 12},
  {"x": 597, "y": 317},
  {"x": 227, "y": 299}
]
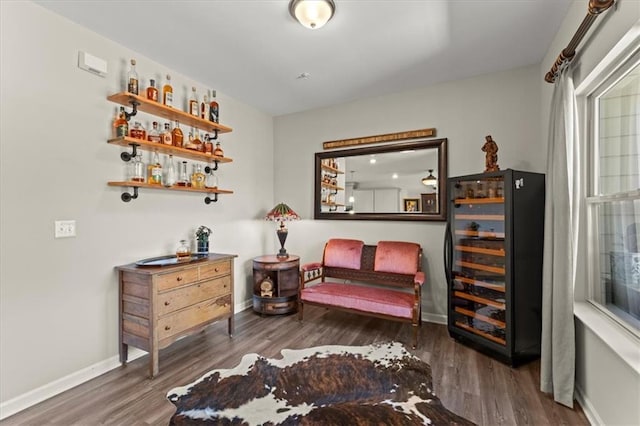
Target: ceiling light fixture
[
  {"x": 312, "y": 14},
  {"x": 430, "y": 180}
]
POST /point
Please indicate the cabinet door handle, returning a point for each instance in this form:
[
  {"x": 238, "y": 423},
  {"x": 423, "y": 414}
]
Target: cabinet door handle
[
  {"x": 179, "y": 278},
  {"x": 167, "y": 327}
]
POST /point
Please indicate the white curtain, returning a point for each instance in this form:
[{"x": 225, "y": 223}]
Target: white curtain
[{"x": 557, "y": 365}]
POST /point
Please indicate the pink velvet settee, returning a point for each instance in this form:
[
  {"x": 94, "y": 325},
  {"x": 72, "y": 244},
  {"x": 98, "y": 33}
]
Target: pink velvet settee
[{"x": 348, "y": 269}]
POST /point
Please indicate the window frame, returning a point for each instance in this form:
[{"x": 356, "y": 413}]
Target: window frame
[{"x": 611, "y": 70}]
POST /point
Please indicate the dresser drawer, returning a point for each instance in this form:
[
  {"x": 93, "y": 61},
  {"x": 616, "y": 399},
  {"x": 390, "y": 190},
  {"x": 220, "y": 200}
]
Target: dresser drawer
[
  {"x": 194, "y": 316},
  {"x": 213, "y": 270},
  {"x": 177, "y": 279},
  {"x": 182, "y": 297}
]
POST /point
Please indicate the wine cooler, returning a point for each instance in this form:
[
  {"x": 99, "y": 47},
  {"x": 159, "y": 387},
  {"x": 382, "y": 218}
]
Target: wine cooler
[{"x": 493, "y": 263}]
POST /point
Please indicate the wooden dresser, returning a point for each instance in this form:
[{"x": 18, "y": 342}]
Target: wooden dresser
[{"x": 160, "y": 304}]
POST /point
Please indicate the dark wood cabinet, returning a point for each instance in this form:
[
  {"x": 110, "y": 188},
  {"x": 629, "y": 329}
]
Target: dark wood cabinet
[
  {"x": 493, "y": 262},
  {"x": 275, "y": 284}
]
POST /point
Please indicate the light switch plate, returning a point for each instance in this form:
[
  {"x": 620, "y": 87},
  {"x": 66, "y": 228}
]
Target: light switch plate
[{"x": 65, "y": 228}]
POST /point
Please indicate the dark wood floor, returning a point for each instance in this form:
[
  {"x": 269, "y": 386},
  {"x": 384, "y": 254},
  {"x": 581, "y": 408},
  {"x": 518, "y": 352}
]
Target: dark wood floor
[{"x": 468, "y": 383}]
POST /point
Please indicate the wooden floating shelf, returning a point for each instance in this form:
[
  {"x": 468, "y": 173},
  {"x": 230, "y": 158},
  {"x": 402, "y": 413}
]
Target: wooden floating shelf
[
  {"x": 169, "y": 113},
  {"x": 481, "y": 333},
  {"x": 480, "y": 250},
  {"x": 482, "y": 300},
  {"x": 332, "y": 204},
  {"x": 496, "y": 200},
  {"x": 132, "y": 184},
  {"x": 328, "y": 185},
  {"x": 331, "y": 169},
  {"x": 169, "y": 149}
]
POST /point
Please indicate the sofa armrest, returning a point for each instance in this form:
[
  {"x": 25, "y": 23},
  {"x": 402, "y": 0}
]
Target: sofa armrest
[
  {"x": 307, "y": 267},
  {"x": 310, "y": 272},
  {"x": 419, "y": 278}
]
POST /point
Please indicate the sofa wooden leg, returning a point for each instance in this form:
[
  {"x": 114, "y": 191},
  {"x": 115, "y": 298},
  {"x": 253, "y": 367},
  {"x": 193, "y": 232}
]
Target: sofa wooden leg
[{"x": 415, "y": 336}]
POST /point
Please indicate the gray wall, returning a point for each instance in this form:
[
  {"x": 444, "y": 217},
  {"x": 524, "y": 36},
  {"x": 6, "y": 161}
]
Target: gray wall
[
  {"x": 505, "y": 105},
  {"x": 607, "y": 385},
  {"x": 58, "y": 297}
]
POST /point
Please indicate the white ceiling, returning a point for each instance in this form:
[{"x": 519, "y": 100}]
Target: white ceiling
[{"x": 253, "y": 50}]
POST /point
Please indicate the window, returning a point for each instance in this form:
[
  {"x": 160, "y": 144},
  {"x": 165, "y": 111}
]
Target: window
[{"x": 614, "y": 194}]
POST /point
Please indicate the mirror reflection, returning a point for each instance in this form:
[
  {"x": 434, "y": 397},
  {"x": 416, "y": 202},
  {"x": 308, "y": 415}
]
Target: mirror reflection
[{"x": 404, "y": 181}]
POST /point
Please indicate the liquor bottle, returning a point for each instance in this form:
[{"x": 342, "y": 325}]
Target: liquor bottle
[
  {"x": 167, "y": 92},
  {"x": 132, "y": 79},
  {"x": 170, "y": 176},
  {"x": 207, "y": 146},
  {"x": 183, "y": 179},
  {"x": 152, "y": 91},
  {"x": 177, "y": 136},
  {"x": 211, "y": 181},
  {"x": 167, "y": 139},
  {"x": 204, "y": 107},
  {"x": 121, "y": 125},
  {"x": 214, "y": 108},
  {"x": 154, "y": 170},
  {"x": 137, "y": 131},
  {"x": 154, "y": 134},
  {"x": 138, "y": 170},
  {"x": 218, "y": 152},
  {"x": 193, "y": 103},
  {"x": 197, "y": 177}
]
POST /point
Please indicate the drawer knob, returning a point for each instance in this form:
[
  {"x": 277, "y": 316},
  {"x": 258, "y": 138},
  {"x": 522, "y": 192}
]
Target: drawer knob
[
  {"x": 179, "y": 278},
  {"x": 217, "y": 269},
  {"x": 167, "y": 303},
  {"x": 167, "y": 327}
]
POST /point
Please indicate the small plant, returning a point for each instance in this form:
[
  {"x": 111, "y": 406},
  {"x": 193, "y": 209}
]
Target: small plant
[{"x": 203, "y": 232}]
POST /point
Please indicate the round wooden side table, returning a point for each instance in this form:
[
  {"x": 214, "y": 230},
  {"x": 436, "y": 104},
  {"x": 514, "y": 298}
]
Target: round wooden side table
[{"x": 275, "y": 284}]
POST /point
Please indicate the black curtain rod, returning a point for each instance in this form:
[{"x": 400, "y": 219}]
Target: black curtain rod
[{"x": 595, "y": 8}]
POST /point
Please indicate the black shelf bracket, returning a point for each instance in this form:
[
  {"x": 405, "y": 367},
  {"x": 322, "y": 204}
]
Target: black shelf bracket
[
  {"x": 215, "y": 135},
  {"x": 134, "y": 110},
  {"x": 209, "y": 200},
  {"x": 208, "y": 169},
  {"x": 126, "y": 197},
  {"x": 125, "y": 156}
]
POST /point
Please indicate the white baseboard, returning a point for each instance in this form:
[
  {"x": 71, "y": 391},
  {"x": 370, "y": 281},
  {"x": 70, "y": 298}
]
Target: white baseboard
[
  {"x": 35, "y": 396},
  {"x": 587, "y": 407},
  {"x": 26, "y": 400}
]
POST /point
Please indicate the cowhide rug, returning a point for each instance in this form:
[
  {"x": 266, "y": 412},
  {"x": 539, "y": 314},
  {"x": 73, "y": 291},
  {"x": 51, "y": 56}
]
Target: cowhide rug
[{"x": 327, "y": 385}]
